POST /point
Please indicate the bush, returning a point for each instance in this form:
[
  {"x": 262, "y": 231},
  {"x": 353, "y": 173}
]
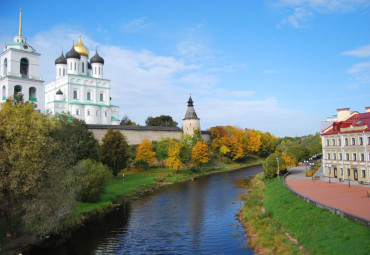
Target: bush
[
  {"x": 270, "y": 166},
  {"x": 92, "y": 176}
]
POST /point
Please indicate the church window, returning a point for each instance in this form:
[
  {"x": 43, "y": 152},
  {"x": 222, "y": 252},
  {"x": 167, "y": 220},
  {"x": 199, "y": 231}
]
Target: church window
[
  {"x": 95, "y": 69},
  {"x": 75, "y": 94},
  {"x": 5, "y": 66},
  {"x": 24, "y": 67},
  {"x": 88, "y": 95},
  {"x": 17, "y": 89},
  {"x": 64, "y": 71},
  {"x": 101, "y": 97},
  {"x": 99, "y": 69},
  {"x": 77, "y": 112},
  {"x": 105, "y": 113},
  {"x": 88, "y": 112},
  {"x": 97, "y": 113},
  {"x": 83, "y": 67},
  {"x": 3, "y": 92},
  {"x": 70, "y": 66},
  {"x": 32, "y": 94},
  {"x": 59, "y": 71},
  {"x": 75, "y": 66}
]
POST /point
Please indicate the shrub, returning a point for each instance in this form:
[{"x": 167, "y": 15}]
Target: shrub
[
  {"x": 270, "y": 166},
  {"x": 92, "y": 176}
]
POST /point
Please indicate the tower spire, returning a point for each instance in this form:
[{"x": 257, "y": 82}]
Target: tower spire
[{"x": 20, "y": 22}]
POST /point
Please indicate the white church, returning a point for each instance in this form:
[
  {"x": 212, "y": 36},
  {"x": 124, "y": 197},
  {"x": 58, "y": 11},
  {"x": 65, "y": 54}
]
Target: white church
[{"x": 79, "y": 88}]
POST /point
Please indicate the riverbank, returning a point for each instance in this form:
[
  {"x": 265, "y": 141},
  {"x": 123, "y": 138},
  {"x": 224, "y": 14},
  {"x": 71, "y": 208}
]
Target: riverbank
[
  {"x": 277, "y": 222},
  {"x": 118, "y": 190}
]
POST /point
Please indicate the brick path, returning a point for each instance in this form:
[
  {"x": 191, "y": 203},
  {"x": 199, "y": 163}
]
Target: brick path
[{"x": 352, "y": 199}]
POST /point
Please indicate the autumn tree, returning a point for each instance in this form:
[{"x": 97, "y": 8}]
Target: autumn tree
[
  {"x": 174, "y": 155},
  {"x": 289, "y": 161},
  {"x": 268, "y": 144},
  {"x": 114, "y": 150},
  {"x": 253, "y": 141},
  {"x": 163, "y": 121},
  {"x": 36, "y": 184},
  {"x": 200, "y": 154},
  {"x": 145, "y": 152}
]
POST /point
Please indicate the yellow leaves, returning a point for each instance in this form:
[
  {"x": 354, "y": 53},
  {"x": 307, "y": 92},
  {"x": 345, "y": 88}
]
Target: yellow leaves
[
  {"x": 289, "y": 161},
  {"x": 224, "y": 150},
  {"x": 174, "y": 155},
  {"x": 200, "y": 154},
  {"x": 145, "y": 152}
]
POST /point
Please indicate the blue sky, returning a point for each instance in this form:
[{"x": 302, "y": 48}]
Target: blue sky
[{"x": 279, "y": 66}]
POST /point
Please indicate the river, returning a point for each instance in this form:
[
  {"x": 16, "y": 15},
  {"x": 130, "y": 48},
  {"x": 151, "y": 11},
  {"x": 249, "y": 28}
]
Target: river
[{"x": 195, "y": 217}]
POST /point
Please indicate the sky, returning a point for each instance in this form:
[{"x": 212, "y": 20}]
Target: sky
[{"x": 278, "y": 66}]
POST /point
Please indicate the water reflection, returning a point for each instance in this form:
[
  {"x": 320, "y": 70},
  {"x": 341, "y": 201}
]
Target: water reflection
[{"x": 196, "y": 217}]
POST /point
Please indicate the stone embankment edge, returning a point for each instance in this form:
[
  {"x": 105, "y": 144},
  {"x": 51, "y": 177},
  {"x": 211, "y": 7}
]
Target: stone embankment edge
[{"x": 336, "y": 211}]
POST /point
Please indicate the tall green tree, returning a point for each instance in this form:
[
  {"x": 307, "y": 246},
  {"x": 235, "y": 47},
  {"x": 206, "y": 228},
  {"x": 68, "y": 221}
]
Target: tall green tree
[
  {"x": 270, "y": 165},
  {"x": 35, "y": 186},
  {"x": 163, "y": 121},
  {"x": 161, "y": 149},
  {"x": 114, "y": 150}
]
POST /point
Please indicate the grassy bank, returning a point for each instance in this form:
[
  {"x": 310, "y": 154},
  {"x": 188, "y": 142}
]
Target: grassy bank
[
  {"x": 135, "y": 182},
  {"x": 317, "y": 230}
]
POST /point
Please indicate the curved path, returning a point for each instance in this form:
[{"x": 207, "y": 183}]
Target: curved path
[{"x": 352, "y": 199}]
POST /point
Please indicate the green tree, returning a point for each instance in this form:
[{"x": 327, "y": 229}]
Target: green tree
[
  {"x": 161, "y": 149},
  {"x": 298, "y": 151},
  {"x": 92, "y": 175},
  {"x": 270, "y": 166},
  {"x": 114, "y": 150},
  {"x": 76, "y": 139},
  {"x": 163, "y": 121},
  {"x": 35, "y": 184},
  {"x": 126, "y": 121}
]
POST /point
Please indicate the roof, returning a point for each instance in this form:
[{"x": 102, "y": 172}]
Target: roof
[
  {"x": 359, "y": 122},
  {"x": 190, "y": 113},
  {"x": 73, "y": 53},
  {"x": 97, "y": 59},
  {"x": 61, "y": 60}
]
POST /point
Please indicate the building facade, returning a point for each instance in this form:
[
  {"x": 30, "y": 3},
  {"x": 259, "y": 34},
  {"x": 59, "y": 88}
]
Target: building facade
[
  {"x": 80, "y": 89},
  {"x": 19, "y": 71},
  {"x": 346, "y": 146}
]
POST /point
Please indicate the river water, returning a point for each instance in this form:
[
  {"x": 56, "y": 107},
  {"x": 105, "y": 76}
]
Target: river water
[{"x": 195, "y": 217}]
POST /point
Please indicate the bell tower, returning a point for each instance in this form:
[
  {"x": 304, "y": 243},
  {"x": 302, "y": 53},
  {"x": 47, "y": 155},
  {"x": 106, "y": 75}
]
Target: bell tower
[
  {"x": 19, "y": 70},
  {"x": 191, "y": 121}
]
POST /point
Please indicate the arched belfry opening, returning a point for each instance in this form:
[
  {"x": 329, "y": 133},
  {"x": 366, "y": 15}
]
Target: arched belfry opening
[
  {"x": 5, "y": 69},
  {"x": 17, "y": 89},
  {"x": 24, "y": 67}
]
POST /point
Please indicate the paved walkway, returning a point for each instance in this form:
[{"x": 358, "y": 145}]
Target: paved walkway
[{"x": 336, "y": 194}]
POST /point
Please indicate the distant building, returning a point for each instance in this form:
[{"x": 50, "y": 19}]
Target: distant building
[
  {"x": 80, "y": 89},
  {"x": 19, "y": 71},
  {"x": 346, "y": 146},
  {"x": 191, "y": 121}
]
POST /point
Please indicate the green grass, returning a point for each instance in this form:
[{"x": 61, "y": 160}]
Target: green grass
[
  {"x": 264, "y": 233},
  {"x": 320, "y": 231}
]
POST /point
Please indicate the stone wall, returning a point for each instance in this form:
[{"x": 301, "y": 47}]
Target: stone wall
[{"x": 136, "y": 134}]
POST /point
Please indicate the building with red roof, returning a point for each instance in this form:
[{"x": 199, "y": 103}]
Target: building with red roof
[{"x": 346, "y": 146}]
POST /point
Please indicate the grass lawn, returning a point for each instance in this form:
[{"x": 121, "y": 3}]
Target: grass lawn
[{"x": 320, "y": 231}]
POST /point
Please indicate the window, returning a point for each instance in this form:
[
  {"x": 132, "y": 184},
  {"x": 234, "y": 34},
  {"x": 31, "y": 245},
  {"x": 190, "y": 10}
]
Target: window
[
  {"x": 105, "y": 113},
  {"x": 24, "y": 67},
  {"x": 88, "y": 112},
  {"x": 334, "y": 156},
  {"x": 97, "y": 113},
  {"x": 77, "y": 112},
  {"x": 333, "y": 142},
  {"x": 70, "y": 66},
  {"x": 339, "y": 141},
  {"x": 340, "y": 156},
  {"x": 341, "y": 171},
  {"x": 328, "y": 156},
  {"x": 354, "y": 156},
  {"x": 4, "y": 92},
  {"x": 327, "y": 142},
  {"x": 75, "y": 66},
  {"x": 368, "y": 140},
  {"x": 101, "y": 97},
  {"x": 17, "y": 89},
  {"x": 363, "y": 175},
  {"x": 59, "y": 72},
  {"x": 95, "y": 69},
  {"x": 353, "y": 141},
  {"x": 83, "y": 67},
  {"x": 348, "y": 172},
  {"x": 64, "y": 71},
  {"x": 347, "y": 156},
  {"x": 362, "y": 157},
  {"x": 75, "y": 96},
  {"x": 345, "y": 141},
  {"x": 99, "y": 69},
  {"x": 360, "y": 141},
  {"x": 32, "y": 94},
  {"x": 88, "y": 95},
  {"x": 5, "y": 71}
]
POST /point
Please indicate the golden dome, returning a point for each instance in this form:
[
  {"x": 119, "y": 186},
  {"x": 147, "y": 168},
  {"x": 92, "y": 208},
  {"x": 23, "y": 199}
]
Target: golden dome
[{"x": 80, "y": 48}]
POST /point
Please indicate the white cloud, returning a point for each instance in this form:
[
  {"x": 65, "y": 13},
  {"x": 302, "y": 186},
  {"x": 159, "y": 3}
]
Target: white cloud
[
  {"x": 270, "y": 71},
  {"x": 136, "y": 25},
  {"x": 146, "y": 84},
  {"x": 361, "y": 52},
  {"x": 298, "y": 19},
  {"x": 359, "y": 75}
]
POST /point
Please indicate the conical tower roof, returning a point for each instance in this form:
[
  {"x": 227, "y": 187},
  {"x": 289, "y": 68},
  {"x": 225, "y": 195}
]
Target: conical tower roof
[{"x": 190, "y": 113}]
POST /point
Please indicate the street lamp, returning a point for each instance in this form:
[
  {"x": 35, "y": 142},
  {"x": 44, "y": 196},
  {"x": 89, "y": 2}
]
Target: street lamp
[
  {"x": 277, "y": 159},
  {"x": 305, "y": 162}
]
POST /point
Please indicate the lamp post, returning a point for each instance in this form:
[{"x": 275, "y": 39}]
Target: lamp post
[
  {"x": 277, "y": 159},
  {"x": 305, "y": 162}
]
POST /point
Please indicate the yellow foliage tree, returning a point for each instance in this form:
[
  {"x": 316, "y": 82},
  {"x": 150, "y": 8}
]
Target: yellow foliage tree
[
  {"x": 145, "y": 152},
  {"x": 174, "y": 155},
  {"x": 254, "y": 142},
  {"x": 200, "y": 154},
  {"x": 289, "y": 161}
]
